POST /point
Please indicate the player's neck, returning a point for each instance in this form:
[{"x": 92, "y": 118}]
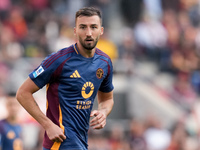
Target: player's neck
[{"x": 84, "y": 52}]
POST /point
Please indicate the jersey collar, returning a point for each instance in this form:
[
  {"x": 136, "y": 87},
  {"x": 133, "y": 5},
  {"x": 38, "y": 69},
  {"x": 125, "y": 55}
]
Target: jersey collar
[{"x": 75, "y": 48}]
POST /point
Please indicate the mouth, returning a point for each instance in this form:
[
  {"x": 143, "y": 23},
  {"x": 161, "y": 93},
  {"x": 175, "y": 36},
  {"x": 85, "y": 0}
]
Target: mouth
[{"x": 89, "y": 40}]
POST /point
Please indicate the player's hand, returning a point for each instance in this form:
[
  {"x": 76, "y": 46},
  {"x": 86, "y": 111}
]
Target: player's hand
[
  {"x": 99, "y": 120},
  {"x": 55, "y": 133}
]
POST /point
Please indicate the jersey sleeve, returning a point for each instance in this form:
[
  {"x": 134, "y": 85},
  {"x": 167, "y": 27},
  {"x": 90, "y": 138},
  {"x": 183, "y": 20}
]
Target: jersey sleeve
[
  {"x": 44, "y": 72},
  {"x": 107, "y": 84}
]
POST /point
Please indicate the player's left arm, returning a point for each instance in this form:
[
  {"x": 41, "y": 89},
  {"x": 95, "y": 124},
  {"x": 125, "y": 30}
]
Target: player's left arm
[{"x": 105, "y": 105}]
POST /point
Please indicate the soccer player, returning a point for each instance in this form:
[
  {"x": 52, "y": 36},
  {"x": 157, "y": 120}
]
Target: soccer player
[
  {"x": 10, "y": 129},
  {"x": 73, "y": 77}
]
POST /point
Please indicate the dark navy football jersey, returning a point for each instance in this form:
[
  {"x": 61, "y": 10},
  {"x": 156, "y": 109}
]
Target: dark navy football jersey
[
  {"x": 10, "y": 136},
  {"x": 72, "y": 82}
]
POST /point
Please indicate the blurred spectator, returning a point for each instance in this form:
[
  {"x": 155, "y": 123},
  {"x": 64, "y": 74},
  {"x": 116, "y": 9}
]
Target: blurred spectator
[
  {"x": 180, "y": 53},
  {"x": 10, "y": 129},
  {"x": 4, "y": 9},
  {"x": 194, "y": 14},
  {"x": 65, "y": 38},
  {"x": 4, "y": 74},
  {"x": 136, "y": 135},
  {"x": 127, "y": 48},
  {"x": 97, "y": 140},
  {"x": 173, "y": 5},
  {"x": 117, "y": 139},
  {"x": 147, "y": 34},
  {"x": 195, "y": 81},
  {"x": 11, "y": 49},
  {"x": 17, "y": 23},
  {"x": 35, "y": 44},
  {"x": 170, "y": 23},
  {"x": 59, "y": 34},
  {"x": 156, "y": 135},
  {"x": 187, "y": 4},
  {"x": 52, "y": 32},
  {"x": 178, "y": 137},
  {"x": 182, "y": 93},
  {"x": 153, "y": 8},
  {"x": 38, "y": 5},
  {"x": 131, "y": 16},
  {"x": 183, "y": 20},
  {"x": 128, "y": 51}
]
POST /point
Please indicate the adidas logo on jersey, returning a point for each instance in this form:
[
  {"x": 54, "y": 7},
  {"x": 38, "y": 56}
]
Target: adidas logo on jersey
[{"x": 75, "y": 74}]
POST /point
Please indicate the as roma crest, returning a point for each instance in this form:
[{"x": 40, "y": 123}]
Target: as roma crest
[{"x": 99, "y": 73}]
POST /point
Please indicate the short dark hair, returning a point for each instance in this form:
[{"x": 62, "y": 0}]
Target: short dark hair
[{"x": 89, "y": 11}]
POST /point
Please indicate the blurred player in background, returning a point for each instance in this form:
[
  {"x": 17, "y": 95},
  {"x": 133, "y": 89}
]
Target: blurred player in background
[
  {"x": 10, "y": 129},
  {"x": 73, "y": 77}
]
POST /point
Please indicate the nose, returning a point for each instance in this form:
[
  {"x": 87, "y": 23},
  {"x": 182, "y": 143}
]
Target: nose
[{"x": 89, "y": 32}]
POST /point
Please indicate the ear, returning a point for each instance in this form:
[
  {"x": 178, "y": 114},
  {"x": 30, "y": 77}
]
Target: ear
[
  {"x": 75, "y": 31},
  {"x": 102, "y": 30}
]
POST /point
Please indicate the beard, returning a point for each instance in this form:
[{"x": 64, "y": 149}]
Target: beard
[{"x": 89, "y": 46}]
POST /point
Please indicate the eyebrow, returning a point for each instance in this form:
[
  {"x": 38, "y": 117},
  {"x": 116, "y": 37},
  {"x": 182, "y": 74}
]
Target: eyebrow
[
  {"x": 86, "y": 25},
  {"x": 82, "y": 25}
]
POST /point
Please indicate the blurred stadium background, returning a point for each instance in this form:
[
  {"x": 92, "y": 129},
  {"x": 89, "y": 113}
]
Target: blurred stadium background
[{"x": 155, "y": 48}]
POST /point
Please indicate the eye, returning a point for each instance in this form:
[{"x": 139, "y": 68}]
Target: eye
[
  {"x": 82, "y": 27},
  {"x": 94, "y": 27}
]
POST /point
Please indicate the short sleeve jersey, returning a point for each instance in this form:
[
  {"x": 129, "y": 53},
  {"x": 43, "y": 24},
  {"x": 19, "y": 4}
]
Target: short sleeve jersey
[
  {"x": 10, "y": 136},
  {"x": 72, "y": 82}
]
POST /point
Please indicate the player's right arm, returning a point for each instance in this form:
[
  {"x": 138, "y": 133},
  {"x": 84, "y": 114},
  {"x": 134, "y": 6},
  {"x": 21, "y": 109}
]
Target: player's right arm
[{"x": 25, "y": 98}]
